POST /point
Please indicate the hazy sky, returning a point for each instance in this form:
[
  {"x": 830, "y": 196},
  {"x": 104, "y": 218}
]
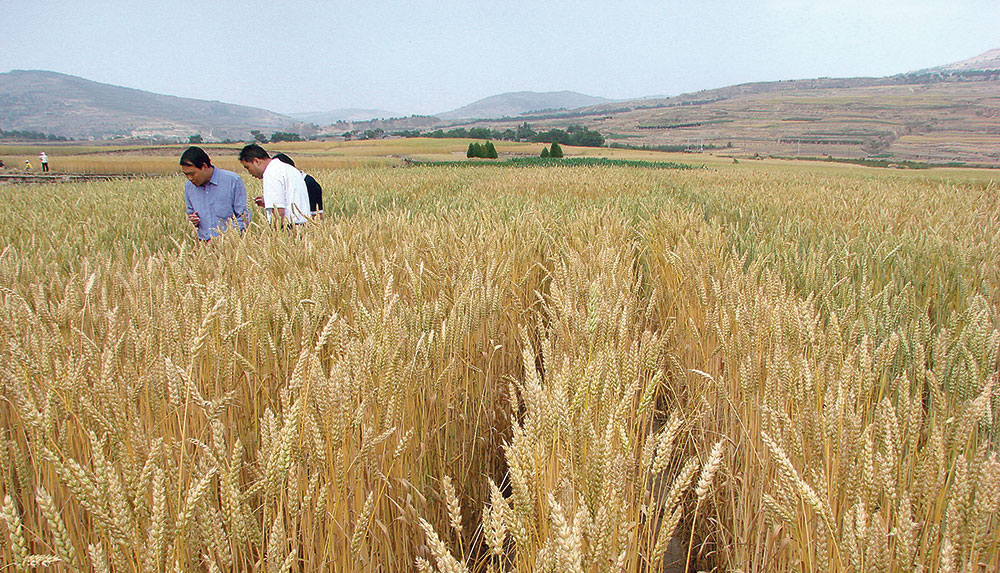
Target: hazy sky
[{"x": 432, "y": 56}]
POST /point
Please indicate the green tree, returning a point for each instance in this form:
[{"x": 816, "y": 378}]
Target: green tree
[
  {"x": 553, "y": 136},
  {"x": 279, "y": 136},
  {"x": 556, "y": 150},
  {"x": 525, "y": 133},
  {"x": 258, "y": 136},
  {"x": 545, "y": 153},
  {"x": 196, "y": 138},
  {"x": 490, "y": 151},
  {"x": 475, "y": 150},
  {"x": 585, "y": 137}
]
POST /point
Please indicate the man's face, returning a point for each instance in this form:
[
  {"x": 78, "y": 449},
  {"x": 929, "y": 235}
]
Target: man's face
[
  {"x": 197, "y": 175},
  {"x": 255, "y": 167}
]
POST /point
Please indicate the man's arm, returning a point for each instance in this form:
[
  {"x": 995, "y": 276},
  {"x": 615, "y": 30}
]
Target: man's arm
[
  {"x": 193, "y": 217},
  {"x": 276, "y": 187},
  {"x": 240, "y": 204},
  {"x": 286, "y": 198}
]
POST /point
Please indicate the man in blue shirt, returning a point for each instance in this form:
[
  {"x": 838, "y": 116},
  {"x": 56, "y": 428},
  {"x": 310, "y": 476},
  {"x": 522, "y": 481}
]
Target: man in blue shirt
[{"x": 215, "y": 197}]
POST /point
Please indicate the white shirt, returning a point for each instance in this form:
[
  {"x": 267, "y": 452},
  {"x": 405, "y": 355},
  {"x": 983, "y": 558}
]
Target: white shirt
[
  {"x": 285, "y": 188},
  {"x": 43, "y": 158}
]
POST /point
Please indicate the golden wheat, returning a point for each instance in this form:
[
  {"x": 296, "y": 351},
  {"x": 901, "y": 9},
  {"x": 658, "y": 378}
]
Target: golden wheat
[{"x": 788, "y": 371}]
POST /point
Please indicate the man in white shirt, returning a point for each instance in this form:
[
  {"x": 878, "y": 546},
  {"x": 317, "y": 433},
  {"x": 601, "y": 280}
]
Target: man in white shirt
[{"x": 285, "y": 197}]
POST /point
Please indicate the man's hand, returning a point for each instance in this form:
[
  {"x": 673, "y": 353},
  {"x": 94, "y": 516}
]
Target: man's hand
[
  {"x": 194, "y": 218},
  {"x": 259, "y": 201}
]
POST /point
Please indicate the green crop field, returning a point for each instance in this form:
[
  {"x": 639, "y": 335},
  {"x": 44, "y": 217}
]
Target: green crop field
[{"x": 755, "y": 366}]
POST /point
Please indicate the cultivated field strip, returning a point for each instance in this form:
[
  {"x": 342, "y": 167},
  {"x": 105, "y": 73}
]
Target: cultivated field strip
[{"x": 533, "y": 369}]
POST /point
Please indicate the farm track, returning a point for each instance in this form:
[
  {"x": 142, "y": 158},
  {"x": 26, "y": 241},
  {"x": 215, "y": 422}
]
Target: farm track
[{"x": 13, "y": 178}]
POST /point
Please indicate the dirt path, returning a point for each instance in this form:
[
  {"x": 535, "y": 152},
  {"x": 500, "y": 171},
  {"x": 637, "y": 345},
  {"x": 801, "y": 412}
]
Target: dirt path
[{"x": 14, "y": 177}]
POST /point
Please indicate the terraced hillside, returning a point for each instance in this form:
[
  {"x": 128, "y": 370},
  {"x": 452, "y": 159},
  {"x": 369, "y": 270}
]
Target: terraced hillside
[{"x": 900, "y": 119}]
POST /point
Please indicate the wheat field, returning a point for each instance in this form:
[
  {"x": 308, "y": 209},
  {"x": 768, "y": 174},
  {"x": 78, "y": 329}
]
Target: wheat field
[{"x": 595, "y": 369}]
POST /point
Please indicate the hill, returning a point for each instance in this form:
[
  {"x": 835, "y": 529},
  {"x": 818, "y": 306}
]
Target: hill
[
  {"x": 348, "y": 114},
  {"x": 32, "y": 100},
  {"x": 931, "y": 115},
  {"x": 945, "y": 114},
  {"x": 518, "y": 103},
  {"x": 986, "y": 61}
]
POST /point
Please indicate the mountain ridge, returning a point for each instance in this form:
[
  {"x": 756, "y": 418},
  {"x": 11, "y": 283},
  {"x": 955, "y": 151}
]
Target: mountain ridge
[
  {"x": 932, "y": 116},
  {"x": 989, "y": 60},
  {"x": 852, "y": 117},
  {"x": 62, "y": 104},
  {"x": 342, "y": 114},
  {"x": 512, "y": 104}
]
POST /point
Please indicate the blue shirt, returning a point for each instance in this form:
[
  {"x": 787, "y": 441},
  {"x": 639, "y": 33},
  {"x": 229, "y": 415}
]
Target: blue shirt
[{"x": 219, "y": 202}]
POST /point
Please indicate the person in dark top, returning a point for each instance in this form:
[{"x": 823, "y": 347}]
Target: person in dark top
[{"x": 312, "y": 186}]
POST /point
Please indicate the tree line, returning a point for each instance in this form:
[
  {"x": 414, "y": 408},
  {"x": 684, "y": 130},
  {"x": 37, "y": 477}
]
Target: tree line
[
  {"x": 23, "y": 135},
  {"x": 276, "y": 137},
  {"x": 576, "y": 135}
]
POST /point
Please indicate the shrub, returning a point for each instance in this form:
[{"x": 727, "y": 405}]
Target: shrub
[
  {"x": 280, "y": 136},
  {"x": 489, "y": 151}
]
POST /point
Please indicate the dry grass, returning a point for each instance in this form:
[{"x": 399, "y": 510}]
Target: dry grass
[
  {"x": 308, "y": 155},
  {"x": 506, "y": 369}
]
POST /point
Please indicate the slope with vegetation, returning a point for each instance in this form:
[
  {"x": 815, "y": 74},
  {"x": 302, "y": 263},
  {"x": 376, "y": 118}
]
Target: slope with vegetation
[{"x": 69, "y": 106}]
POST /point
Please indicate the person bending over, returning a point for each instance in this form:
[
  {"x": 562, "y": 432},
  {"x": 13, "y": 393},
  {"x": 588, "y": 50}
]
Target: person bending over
[
  {"x": 284, "y": 197},
  {"x": 215, "y": 197}
]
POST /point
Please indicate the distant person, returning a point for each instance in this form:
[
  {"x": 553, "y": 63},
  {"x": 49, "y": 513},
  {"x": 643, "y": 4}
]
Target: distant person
[
  {"x": 27, "y": 165},
  {"x": 215, "y": 197},
  {"x": 285, "y": 197},
  {"x": 2, "y": 166},
  {"x": 312, "y": 186},
  {"x": 44, "y": 160}
]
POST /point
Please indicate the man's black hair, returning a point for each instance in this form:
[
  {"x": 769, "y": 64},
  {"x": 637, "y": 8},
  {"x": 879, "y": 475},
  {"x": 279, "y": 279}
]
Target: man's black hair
[
  {"x": 195, "y": 157},
  {"x": 253, "y": 151},
  {"x": 284, "y": 159}
]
